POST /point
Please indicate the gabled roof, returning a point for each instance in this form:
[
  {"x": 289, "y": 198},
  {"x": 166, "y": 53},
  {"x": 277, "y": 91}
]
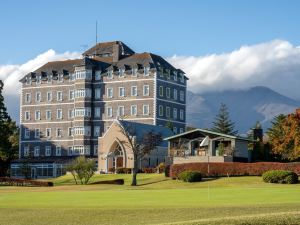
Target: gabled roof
[{"x": 207, "y": 132}]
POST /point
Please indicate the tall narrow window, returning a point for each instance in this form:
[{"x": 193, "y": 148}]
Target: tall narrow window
[
  {"x": 97, "y": 112},
  {"x": 134, "y": 72},
  {"x": 49, "y": 96},
  {"x": 161, "y": 91},
  {"x": 71, "y": 131},
  {"x": 121, "y": 91},
  {"x": 175, "y": 114},
  {"x": 71, "y": 94},
  {"x": 109, "y": 112},
  {"x": 37, "y": 115},
  {"x": 59, "y": 96},
  {"x": 96, "y": 131},
  {"x": 121, "y": 111},
  {"x": 168, "y": 114},
  {"x": 168, "y": 92},
  {"x": 59, "y": 132},
  {"x": 121, "y": 72},
  {"x": 133, "y": 90},
  {"x": 58, "y": 151},
  {"x": 145, "y": 110},
  {"x": 48, "y": 132},
  {"x": 48, "y": 114},
  {"x": 26, "y": 151},
  {"x": 98, "y": 75},
  {"x": 28, "y": 98},
  {"x": 109, "y": 92},
  {"x": 146, "y": 91},
  {"x": 27, "y": 133},
  {"x": 97, "y": 93},
  {"x": 181, "y": 114},
  {"x": 110, "y": 74},
  {"x": 36, "y": 152},
  {"x": 27, "y": 115},
  {"x": 59, "y": 114},
  {"x": 175, "y": 95},
  {"x": 133, "y": 110},
  {"x": 161, "y": 110},
  {"x": 48, "y": 150},
  {"x": 146, "y": 71},
  {"x": 38, "y": 96},
  {"x": 37, "y": 133}
]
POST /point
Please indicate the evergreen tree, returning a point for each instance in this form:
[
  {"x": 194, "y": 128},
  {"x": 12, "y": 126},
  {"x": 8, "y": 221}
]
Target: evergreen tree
[{"x": 222, "y": 123}]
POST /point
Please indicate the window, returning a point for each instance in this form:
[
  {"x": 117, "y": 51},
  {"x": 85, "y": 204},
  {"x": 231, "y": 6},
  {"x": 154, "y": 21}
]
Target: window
[
  {"x": 168, "y": 74},
  {"x": 83, "y": 112},
  {"x": 37, "y": 115},
  {"x": 110, "y": 74},
  {"x": 71, "y": 95},
  {"x": 121, "y": 91},
  {"x": 83, "y": 74},
  {"x": 26, "y": 151},
  {"x": 175, "y": 130},
  {"x": 134, "y": 72},
  {"x": 145, "y": 110},
  {"x": 174, "y": 113},
  {"x": 81, "y": 150},
  {"x": 27, "y": 133},
  {"x": 133, "y": 110},
  {"x": 38, "y": 79},
  {"x": 146, "y": 71},
  {"x": 71, "y": 131},
  {"x": 121, "y": 111},
  {"x": 71, "y": 113},
  {"x": 36, "y": 152},
  {"x": 109, "y": 112},
  {"x": 48, "y": 114},
  {"x": 70, "y": 150},
  {"x": 181, "y": 114},
  {"x": 60, "y": 78},
  {"x": 175, "y": 75},
  {"x": 27, "y": 115},
  {"x": 48, "y": 132},
  {"x": 182, "y": 96},
  {"x": 28, "y": 80},
  {"x": 38, "y": 96},
  {"x": 59, "y": 132},
  {"x": 58, "y": 151},
  {"x": 49, "y": 96},
  {"x": 181, "y": 78},
  {"x": 82, "y": 93},
  {"x": 161, "y": 110},
  {"x": 96, "y": 131},
  {"x": 37, "y": 133},
  {"x": 146, "y": 91},
  {"x": 48, "y": 150},
  {"x": 59, "y": 96},
  {"x": 133, "y": 90},
  {"x": 49, "y": 79},
  {"x": 95, "y": 149},
  {"x": 97, "y": 112},
  {"x": 168, "y": 92},
  {"x": 97, "y": 93},
  {"x": 86, "y": 130},
  {"x": 59, "y": 114},
  {"x": 121, "y": 72},
  {"x": 175, "y": 94},
  {"x": 181, "y": 130},
  {"x": 98, "y": 75},
  {"x": 161, "y": 91},
  {"x": 168, "y": 114},
  {"x": 28, "y": 98},
  {"x": 110, "y": 92}
]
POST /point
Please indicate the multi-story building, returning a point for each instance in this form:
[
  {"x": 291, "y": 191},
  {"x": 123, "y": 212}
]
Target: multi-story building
[{"x": 66, "y": 105}]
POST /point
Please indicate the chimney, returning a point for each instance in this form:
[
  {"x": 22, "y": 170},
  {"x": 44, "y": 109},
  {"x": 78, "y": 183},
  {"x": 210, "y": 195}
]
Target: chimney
[{"x": 116, "y": 52}]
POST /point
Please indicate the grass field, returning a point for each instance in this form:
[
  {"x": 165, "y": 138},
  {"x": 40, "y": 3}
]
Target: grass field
[{"x": 157, "y": 200}]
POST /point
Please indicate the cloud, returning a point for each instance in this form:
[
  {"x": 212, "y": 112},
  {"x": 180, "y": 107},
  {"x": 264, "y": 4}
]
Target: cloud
[
  {"x": 274, "y": 64},
  {"x": 11, "y": 74}
]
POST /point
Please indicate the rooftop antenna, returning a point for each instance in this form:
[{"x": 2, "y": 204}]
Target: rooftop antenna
[{"x": 96, "y": 32}]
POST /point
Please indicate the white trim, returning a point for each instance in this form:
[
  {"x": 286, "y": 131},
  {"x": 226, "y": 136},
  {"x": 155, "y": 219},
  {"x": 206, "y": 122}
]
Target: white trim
[
  {"x": 171, "y": 101},
  {"x": 49, "y": 86},
  {"x": 129, "y": 119},
  {"x": 155, "y": 98},
  {"x": 58, "y": 103},
  {"x": 171, "y": 82},
  {"x": 58, "y": 140},
  {"x": 37, "y": 123},
  {"x": 130, "y": 100},
  {"x": 171, "y": 120},
  {"x": 122, "y": 81}
]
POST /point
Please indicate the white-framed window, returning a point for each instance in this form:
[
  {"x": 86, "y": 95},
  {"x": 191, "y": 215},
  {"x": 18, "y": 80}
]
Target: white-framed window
[
  {"x": 48, "y": 132},
  {"x": 37, "y": 114},
  {"x": 26, "y": 151},
  {"x": 134, "y": 72},
  {"x": 28, "y": 80},
  {"x": 146, "y": 90},
  {"x": 83, "y": 92},
  {"x": 146, "y": 71},
  {"x": 160, "y": 110},
  {"x": 168, "y": 112},
  {"x": 121, "y": 91},
  {"x": 49, "y": 96},
  {"x": 109, "y": 112},
  {"x": 48, "y": 114},
  {"x": 70, "y": 131},
  {"x": 96, "y": 131},
  {"x": 36, "y": 152},
  {"x": 182, "y": 96},
  {"x": 48, "y": 150},
  {"x": 37, "y": 133},
  {"x": 95, "y": 150},
  {"x": 58, "y": 151},
  {"x": 168, "y": 92},
  {"x": 181, "y": 114},
  {"x": 86, "y": 130},
  {"x": 175, "y": 94},
  {"x": 38, "y": 79},
  {"x": 60, "y": 78},
  {"x": 121, "y": 111},
  {"x": 110, "y": 92},
  {"x": 83, "y": 74},
  {"x": 71, "y": 95},
  {"x": 174, "y": 113},
  {"x": 70, "y": 150},
  {"x": 181, "y": 130},
  {"x": 161, "y": 91},
  {"x": 110, "y": 74},
  {"x": 97, "y": 93},
  {"x": 71, "y": 113},
  {"x": 59, "y": 114},
  {"x": 133, "y": 110},
  {"x": 145, "y": 110},
  {"x": 98, "y": 75},
  {"x": 38, "y": 96},
  {"x": 175, "y": 75},
  {"x": 133, "y": 90},
  {"x": 121, "y": 72},
  {"x": 97, "y": 112},
  {"x": 59, "y": 96},
  {"x": 27, "y": 115},
  {"x": 175, "y": 130},
  {"x": 181, "y": 78},
  {"x": 83, "y": 112},
  {"x": 27, "y": 97},
  {"x": 58, "y": 132},
  {"x": 168, "y": 74},
  {"x": 27, "y": 133}
]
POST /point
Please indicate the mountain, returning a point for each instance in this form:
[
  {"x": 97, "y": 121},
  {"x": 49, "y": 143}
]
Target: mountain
[{"x": 245, "y": 107}]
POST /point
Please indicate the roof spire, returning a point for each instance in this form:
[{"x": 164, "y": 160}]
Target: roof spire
[{"x": 96, "y": 32}]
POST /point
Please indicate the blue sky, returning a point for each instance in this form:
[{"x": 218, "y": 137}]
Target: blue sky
[{"x": 165, "y": 27}]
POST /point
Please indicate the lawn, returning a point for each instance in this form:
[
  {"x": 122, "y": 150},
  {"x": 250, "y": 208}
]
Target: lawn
[{"x": 157, "y": 200}]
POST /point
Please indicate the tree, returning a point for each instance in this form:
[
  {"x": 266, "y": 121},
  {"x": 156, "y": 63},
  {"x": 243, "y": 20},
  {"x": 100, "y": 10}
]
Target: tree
[
  {"x": 82, "y": 169},
  {"x": 222, "y": 123},
  {"x": 9, "y": 137},
  {"x": 141, "y": 145},
  {"x": 284, "y": 137}
]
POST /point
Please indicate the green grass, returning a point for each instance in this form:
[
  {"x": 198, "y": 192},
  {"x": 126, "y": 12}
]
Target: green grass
[{"x": 157, "y": 200}]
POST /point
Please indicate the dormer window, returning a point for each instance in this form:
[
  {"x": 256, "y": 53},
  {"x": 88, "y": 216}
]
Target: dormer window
[
  {"x": 134, "y": 72},
  {"x": 181, "y": 78},
  {"x": 60, "y": 78},
  {"x": 175, "y": 75},
  {"x": 38, "y": 79},
  {"x": 28, "y": 80},
  {"x": 110, "y": 74},
  {"x": 168, "y": 74},
  {"x": 49, "y": 78},
  {"x": 121, "y": 72},
  {"x": 146, "y": 71}
]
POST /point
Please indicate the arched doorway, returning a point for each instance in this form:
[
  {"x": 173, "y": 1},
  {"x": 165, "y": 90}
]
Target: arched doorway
[{"x": 115, "y": 158}]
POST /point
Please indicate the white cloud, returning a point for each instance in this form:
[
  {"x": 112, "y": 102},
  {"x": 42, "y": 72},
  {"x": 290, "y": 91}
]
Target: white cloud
[
  {"x": 275, "y": 64},
  {"x": 11, "y": 74}
]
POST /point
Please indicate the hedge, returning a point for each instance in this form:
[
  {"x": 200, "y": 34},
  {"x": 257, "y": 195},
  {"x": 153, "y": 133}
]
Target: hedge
[
  {"x": 232, "y": 168},
  {"x": 280, "y": 176},
  {"x": 7, "y": 181}
]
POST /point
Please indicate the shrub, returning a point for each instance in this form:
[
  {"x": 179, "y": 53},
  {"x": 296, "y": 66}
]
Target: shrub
[
  {"x": 7, "y": 181},
  {"x": 161, "y": 167},
  {"x": 123, "y": 170},
  {"x": 280, "y": 176},
  {"x": 149, "y": 170},
  {"x": 190, "y": 176}
]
